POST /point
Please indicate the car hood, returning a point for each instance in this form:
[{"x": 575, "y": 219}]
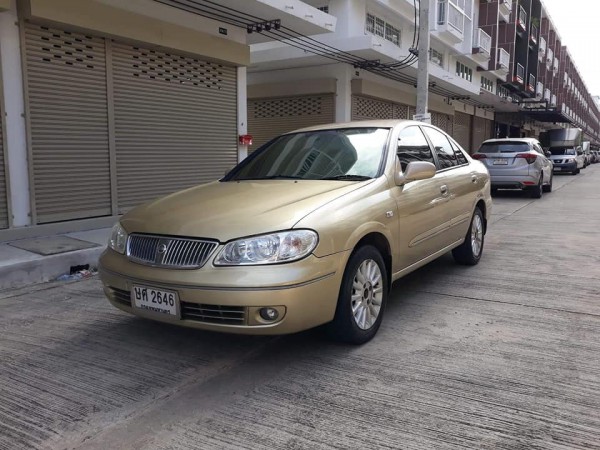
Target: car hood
[{"x": 228, "y": 210}]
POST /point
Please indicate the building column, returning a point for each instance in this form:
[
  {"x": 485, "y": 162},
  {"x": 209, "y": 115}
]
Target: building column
[
  {"x": 242, "y": 105},
  {"x": 343, "y": 95},
  {"x": 14, "y": 102}
]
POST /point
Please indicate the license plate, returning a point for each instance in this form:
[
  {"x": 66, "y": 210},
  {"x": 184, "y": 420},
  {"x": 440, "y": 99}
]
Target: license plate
[
  {"x": 500, "y": 162},
  {"x": 156, "y": 300},
  {"x": 558, "y": 169}
]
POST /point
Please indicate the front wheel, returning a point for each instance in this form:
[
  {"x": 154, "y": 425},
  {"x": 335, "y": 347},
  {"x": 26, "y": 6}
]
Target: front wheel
[
  {"x": 362, "y": 298},
  {"x": 469, "y": 252}
]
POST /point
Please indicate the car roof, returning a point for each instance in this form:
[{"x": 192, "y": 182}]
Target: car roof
[
  {"x": 524, "y": 140},
  {"x": 386, "y": 123}
]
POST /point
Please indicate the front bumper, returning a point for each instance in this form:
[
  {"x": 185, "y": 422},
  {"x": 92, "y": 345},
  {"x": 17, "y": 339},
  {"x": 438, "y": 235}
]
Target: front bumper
[
  {"x": 565, "y": 167},
  {"x": 304, "y": 293}
]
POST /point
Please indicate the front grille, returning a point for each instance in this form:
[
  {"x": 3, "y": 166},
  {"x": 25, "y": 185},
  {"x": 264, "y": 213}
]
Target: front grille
[
  {"x": 557, "y": 161},
  {"x": 225, "y": 315},
  {"x": 121, "y": 296},
  {"x": 169, "y": 252}
]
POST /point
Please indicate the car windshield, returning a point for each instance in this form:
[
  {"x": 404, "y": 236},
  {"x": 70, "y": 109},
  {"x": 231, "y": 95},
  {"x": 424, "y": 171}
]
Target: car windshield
[
  {"x": 339, "y": 154},
  {"x": 558, "y": 151},
  {"x": 503, "y": 147}
]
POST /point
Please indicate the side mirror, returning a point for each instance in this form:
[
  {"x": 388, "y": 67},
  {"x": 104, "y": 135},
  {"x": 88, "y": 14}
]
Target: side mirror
[
  {"x": 416, "y": 170},
  {"x": 547, "y": 153}
]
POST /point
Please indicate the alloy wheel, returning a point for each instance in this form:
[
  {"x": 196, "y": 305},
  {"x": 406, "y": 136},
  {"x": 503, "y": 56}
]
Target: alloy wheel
[
  {"x": 367, "y": 294},
  {"x": 477, "y": 235}
]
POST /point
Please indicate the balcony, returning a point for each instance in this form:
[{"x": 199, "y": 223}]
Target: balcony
[
  {"x": 547, "y": 95},
  {"x": 522, "y": 20},
  {"x": 549, "y": 59},
  {"x": 542, "y": 49},
  {"x": 482, "y": 47},
  {"x": 450, "y": 22},
  {"x": 539, "y": 91},
  {"x": 503, "y": 60},
  {"x": 533, "y": 35},
  {"x": 505, "y": 8}
]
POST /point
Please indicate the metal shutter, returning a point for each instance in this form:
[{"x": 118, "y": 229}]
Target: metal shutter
[
  {"x": 66, "y": 87},
  {"x": 482, "y": 130},
  {"x": 270, "y": 117},
  {"x": 461, "y": 130},
  {"x": 3, "y": 180},
  {"x": 365, "y": 108},
  {"x": 175, "y": 122},
  {"x": 443, "y": 121}
]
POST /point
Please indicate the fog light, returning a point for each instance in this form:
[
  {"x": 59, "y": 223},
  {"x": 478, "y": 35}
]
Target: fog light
[{"x": 269, "y": 314}]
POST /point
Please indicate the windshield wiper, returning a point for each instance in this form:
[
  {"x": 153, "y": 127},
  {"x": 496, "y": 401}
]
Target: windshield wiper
[
  {"x": 270, "y": 177},
  {"x": 349, "y": 178}
]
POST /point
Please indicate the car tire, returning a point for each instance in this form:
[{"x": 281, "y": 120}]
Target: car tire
[
  {"x": 362, "y": 298},
  {"x": 536, "y": 191},
  {"x": 470, "y": 251},
  {"x": 548, "y": 187},
  {"x": 576, "y": 171}
]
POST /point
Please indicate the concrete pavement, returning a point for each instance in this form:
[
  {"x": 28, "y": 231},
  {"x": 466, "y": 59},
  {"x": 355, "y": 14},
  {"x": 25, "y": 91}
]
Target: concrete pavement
[{"x": 503, "y": 355}]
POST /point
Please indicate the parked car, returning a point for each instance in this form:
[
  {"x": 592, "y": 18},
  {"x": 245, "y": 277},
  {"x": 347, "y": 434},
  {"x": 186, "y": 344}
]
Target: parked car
[
  {"x": 595, "y": 156},
  {"x": 312, "y": 228},
  {"x": 517, "y": 163},
  {"x": 567, "y": 160}
]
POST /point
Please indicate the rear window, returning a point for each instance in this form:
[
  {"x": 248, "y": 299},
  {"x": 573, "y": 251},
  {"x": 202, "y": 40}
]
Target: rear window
[{"x": 503, "y": 147}]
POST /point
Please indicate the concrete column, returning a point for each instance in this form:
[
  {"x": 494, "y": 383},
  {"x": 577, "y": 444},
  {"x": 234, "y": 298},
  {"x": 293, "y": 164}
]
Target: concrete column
[
  {"x": 343, "y": 96},
  {"x": 14, "y": 102},
  {"x": 242, "y": 100}
]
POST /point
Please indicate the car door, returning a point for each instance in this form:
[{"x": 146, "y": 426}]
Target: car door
[
  {"x": 422, "y": 225},
  {"x": 545, "y": 162},
  {"x": 460, "y": 181}
]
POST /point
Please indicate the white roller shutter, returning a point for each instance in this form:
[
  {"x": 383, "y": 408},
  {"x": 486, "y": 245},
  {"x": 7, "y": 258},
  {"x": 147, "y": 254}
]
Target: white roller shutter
[
  {"x": 269, "y": 117},
  {"x": 175, "y": 122},
  {"x": 66, "y": 87},
  {"x": 366, "y": 108}
]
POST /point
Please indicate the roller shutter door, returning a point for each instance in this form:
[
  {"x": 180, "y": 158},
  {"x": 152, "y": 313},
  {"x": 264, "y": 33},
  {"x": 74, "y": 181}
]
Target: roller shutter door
[
  {"x": 443, "y": 121},
  {"x": 461, "y": 130},
  {"x": 482, "y": 130},
  {"x": 365, "y": 108},
  {"x": 3, "y": 180},
  {"x": 66, "y": 84},
  {"x": 175, "y": 122},
  {"x": 269, "y": 117}
]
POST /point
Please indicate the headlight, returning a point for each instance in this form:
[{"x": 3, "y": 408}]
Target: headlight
[
  {"x": 569, "y": 160},
  {"x": 269, "y": 248},
  {"x": 118, "y": 239}
]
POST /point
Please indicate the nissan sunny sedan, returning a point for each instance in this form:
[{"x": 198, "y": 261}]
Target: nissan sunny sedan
[{"x": 310, "y": 229}]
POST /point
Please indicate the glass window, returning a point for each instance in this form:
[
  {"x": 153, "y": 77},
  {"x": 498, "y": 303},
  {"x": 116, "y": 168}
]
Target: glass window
[
  {"x": 412, "y": 146},
  {"x": 459, "y": 152},
  {"x": 442, "y": 147},
  {"x": 503, "y": 147},
  {"x": 351, "y": 153}
]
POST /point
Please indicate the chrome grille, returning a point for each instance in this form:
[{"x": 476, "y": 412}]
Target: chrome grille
[
  {"x": 169, "y": 252},
  {"x": 226, "y": 315}
]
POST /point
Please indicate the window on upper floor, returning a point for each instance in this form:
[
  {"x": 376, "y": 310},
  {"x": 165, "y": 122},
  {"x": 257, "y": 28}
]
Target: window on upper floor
[
  {"x": 325, "y": 8},
  {"x": 379, "y": 27},
  {"x": 464, "y": 71},
  {"x": 436, "y": 57},
  {"x": 487, "y": 84}
]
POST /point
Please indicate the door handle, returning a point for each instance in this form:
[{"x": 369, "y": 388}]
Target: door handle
[
  {"x": 444, "y": 189},
  {"x": 473, "y": 178}
]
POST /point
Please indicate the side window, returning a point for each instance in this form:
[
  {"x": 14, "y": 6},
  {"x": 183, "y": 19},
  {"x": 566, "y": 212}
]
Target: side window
[
  {"x": 412, "y": 146},
  {"x": 459, "y": 153},
  {"x": 442, "y": 147}
]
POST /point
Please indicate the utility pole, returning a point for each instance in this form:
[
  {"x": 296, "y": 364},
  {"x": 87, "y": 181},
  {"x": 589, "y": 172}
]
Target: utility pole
[{"x": 423, "y": 66}]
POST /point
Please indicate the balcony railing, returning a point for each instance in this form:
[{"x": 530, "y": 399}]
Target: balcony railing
[
  {"x": 503, "y": 58},
  {"x": 451, "y": 20},
  {"x": 483, "y": 41},
  {"x": 531, "y": 83}
]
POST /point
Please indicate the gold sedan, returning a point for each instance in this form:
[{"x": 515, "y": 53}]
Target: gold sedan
[{"x": 310, "y": 229}]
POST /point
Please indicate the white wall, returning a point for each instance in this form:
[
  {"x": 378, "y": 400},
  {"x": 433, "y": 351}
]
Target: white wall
[{"x": 16, "y": 139}]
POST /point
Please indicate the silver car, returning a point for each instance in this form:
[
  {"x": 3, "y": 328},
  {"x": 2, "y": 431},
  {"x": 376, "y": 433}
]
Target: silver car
[{"x": 517, "y": 163}]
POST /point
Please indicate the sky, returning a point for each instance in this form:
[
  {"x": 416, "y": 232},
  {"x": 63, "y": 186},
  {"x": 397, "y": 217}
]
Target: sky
[{"x": 577, "y": 25}]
